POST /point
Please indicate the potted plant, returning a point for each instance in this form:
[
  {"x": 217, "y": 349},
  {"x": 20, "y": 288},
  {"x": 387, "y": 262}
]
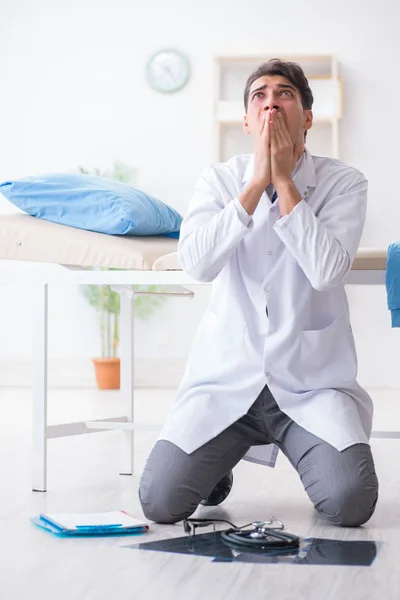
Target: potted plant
[
  {"x": 107, "y": 366},
  {"x": 107, "y": 302}
]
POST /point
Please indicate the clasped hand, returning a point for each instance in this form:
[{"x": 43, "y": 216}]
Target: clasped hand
[{"x": 275, "y": 156}]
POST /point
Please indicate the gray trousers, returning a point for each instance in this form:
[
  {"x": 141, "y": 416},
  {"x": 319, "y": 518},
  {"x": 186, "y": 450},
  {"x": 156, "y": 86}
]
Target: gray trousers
[{"x": 342, "y": 486}]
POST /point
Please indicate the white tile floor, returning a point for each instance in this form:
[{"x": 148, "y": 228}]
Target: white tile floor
[{"x": 83, "y": 476}]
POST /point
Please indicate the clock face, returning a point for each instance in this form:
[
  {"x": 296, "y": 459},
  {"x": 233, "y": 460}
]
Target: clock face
[{"x": 168, "y": 71}]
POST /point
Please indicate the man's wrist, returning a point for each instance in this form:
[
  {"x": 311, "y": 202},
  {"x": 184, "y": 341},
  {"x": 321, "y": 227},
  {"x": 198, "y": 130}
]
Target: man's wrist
[
  {"x": 284, "y": 186},
  {"x": 258, "y": 185},
  {"x": 250, "y": 196},
  {"x": 288, "y": 196}
]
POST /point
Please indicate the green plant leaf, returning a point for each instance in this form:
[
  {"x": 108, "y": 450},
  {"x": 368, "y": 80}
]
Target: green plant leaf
[
  {"x": 107, "y": 302},
  {"x": 120, "y": 172}
]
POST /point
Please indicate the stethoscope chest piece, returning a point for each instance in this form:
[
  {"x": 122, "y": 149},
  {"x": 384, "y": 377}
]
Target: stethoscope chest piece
[{"x": 264, "y": 536}]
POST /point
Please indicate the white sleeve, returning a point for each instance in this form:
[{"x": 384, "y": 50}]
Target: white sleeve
[
  {"x": 326, "y": 244},
  {"x": 211, "y": 230}
]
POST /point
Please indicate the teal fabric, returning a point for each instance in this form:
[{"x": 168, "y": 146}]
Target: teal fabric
[{"x": 393, "y": 282}]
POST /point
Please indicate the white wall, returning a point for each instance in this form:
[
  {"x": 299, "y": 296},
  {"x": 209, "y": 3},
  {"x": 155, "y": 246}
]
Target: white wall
[{"x": 73, "y": 92}]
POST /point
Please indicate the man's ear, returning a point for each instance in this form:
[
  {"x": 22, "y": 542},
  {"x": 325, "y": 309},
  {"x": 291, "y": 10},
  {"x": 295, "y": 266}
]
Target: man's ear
[
  {"x": 246, "y": 128},
  {"x": 308, "y": 119}
]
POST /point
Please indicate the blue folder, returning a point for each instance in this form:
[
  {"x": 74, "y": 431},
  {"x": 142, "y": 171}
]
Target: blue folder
[{"x": 46, "y": 523}]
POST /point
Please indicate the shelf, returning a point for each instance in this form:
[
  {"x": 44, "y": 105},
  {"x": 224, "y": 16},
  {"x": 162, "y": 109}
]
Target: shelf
[
  {"x": 231, "y": 74},
  {"x": 327, "y": 103},
  {"x": 313, "y": 65},
  {"x": 251, "y": 58}
]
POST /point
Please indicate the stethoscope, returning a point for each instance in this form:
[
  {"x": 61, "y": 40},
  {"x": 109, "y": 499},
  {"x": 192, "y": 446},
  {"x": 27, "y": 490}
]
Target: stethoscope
[{"x": 257, "y": 536}]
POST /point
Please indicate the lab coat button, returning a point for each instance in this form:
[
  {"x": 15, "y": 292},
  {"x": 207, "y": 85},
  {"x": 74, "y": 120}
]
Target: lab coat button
[
  {"x": 268, "y": 375},
  {"x": 270, "y": 253}
]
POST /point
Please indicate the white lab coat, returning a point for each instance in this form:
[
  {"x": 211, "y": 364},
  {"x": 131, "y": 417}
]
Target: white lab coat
[{"x": 278, "y": 312}]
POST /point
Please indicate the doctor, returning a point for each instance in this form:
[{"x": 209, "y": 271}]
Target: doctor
[{"x": 273, "y": 364}]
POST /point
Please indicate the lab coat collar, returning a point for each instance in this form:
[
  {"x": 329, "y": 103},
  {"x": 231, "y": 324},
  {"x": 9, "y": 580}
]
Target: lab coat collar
[{"x": 303, "y": 176}]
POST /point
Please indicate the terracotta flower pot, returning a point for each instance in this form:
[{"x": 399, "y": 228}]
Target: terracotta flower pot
[{"x": 108, "y": 373}]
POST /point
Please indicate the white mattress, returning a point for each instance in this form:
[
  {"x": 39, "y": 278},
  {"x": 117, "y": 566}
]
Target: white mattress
[{"x": 27, "y": 238}]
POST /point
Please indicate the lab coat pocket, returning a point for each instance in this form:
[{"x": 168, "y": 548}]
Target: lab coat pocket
[
  {"x": 217, "y": 350},
  {"x": 327, "y": 356}
]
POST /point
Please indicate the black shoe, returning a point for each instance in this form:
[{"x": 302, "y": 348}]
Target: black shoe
[{"x": 220, "y": 492}]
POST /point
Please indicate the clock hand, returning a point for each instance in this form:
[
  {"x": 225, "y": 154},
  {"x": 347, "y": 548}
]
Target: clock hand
[{"x": 168, "y": 69}]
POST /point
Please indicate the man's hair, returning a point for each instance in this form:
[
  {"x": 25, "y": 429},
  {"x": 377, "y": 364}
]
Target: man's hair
[{"x": 291, "y": 70}]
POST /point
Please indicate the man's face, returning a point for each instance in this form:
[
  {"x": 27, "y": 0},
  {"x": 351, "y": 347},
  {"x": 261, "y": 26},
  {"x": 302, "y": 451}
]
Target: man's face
[{"x": 276, "y": 91}]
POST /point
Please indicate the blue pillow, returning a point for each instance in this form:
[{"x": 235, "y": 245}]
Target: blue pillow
[{"x": 93, "y": 203}]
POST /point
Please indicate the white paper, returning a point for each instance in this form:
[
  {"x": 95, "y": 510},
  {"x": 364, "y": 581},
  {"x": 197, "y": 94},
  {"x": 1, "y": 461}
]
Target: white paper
[{"x": 75, "y": 520}]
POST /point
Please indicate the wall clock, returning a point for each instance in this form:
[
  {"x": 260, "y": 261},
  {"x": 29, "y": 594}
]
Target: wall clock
[{"x": 168, "y": 71}]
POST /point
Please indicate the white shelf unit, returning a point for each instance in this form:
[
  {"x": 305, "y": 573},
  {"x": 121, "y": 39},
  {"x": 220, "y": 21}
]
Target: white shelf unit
[{"x": 231, "y": 73}]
